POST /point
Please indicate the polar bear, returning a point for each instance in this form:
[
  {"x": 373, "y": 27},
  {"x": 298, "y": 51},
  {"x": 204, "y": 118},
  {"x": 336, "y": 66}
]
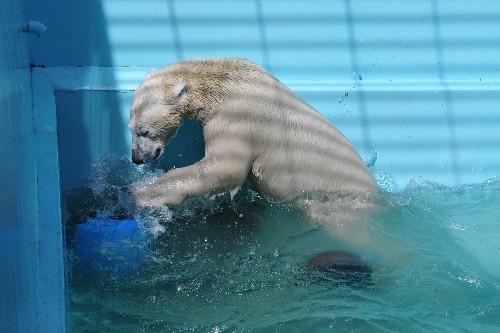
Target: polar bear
[{"x": 253, "y": 126}]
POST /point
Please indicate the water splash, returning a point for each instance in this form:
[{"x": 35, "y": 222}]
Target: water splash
[
  {"x": 385, "y": 181},
  {"x": 114, "y": 175}
]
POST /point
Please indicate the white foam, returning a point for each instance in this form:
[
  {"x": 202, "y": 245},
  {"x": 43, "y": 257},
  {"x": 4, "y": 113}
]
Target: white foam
[{"x": 110, "y": 175}]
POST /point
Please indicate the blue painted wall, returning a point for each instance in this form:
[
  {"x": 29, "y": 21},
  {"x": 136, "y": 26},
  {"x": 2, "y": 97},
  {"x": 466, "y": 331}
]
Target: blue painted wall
[{"x": 18, "y": 200}]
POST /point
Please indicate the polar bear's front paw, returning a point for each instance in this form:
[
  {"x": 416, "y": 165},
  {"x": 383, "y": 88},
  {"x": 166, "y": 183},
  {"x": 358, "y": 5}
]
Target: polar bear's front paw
[
  {"x": 147, "y": 195},
  {"x": 157, "y": 194}
]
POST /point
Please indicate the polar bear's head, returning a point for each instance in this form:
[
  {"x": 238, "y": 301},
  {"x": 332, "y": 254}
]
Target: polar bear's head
[{"x": 155, "y": 116}]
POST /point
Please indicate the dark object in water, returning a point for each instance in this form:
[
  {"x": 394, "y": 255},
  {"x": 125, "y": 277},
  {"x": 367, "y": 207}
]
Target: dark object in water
[{"x": 340, "y": 267}]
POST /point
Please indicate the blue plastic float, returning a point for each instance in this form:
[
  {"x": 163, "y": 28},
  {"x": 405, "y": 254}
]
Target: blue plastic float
[{"x": 109, "y": 245}]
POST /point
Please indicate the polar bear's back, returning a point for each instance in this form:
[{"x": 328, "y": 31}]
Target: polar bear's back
[
  {"x": 306, "y": 153},
  {"x": 296, "y": 149}
]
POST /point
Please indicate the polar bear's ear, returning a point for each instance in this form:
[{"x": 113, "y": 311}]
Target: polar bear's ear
[
  {"x": 177, "y": 92},
  {"x": 150, "y": 73}
]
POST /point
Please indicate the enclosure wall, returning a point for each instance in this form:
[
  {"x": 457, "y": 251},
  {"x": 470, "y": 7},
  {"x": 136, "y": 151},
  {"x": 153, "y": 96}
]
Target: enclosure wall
[{"x": 18, "y": 200}]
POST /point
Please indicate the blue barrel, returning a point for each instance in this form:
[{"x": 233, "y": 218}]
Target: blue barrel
[{"x": 109, "y": 245}]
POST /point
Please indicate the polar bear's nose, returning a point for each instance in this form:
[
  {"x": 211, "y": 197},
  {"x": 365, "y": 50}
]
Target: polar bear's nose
[
  {"x": 157, "y": 152},
  {"x": 136, "y": 159}
]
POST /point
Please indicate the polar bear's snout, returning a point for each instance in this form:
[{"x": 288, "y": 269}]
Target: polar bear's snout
[{"x": 140, "y": 156}]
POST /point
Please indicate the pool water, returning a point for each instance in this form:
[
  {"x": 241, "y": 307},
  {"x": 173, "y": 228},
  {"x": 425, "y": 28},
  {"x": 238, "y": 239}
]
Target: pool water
[{"x": 238, "y": 265}]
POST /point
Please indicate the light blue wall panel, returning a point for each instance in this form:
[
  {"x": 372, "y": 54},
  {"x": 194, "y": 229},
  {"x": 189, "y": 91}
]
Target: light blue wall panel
[{"x": 320, "y": 39}]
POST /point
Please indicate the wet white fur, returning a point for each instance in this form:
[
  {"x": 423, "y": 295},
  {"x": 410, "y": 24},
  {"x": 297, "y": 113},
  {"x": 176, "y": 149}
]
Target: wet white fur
[{"x": 253, "y": 126}]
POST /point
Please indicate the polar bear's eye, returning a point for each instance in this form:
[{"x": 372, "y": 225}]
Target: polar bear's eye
[{"x": 143, "y": 133}]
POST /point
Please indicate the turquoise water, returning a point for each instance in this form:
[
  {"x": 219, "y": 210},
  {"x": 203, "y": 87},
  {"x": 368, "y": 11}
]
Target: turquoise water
[{"x": 238, "y": 265}]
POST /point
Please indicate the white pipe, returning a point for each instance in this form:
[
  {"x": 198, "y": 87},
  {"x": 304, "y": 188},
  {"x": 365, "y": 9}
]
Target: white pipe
[{"x": 35, "y": 27}]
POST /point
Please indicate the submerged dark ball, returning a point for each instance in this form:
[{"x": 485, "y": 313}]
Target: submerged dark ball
[
  {"x": 338, "y": 259},
  {"x": 341, "y": 267}
]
